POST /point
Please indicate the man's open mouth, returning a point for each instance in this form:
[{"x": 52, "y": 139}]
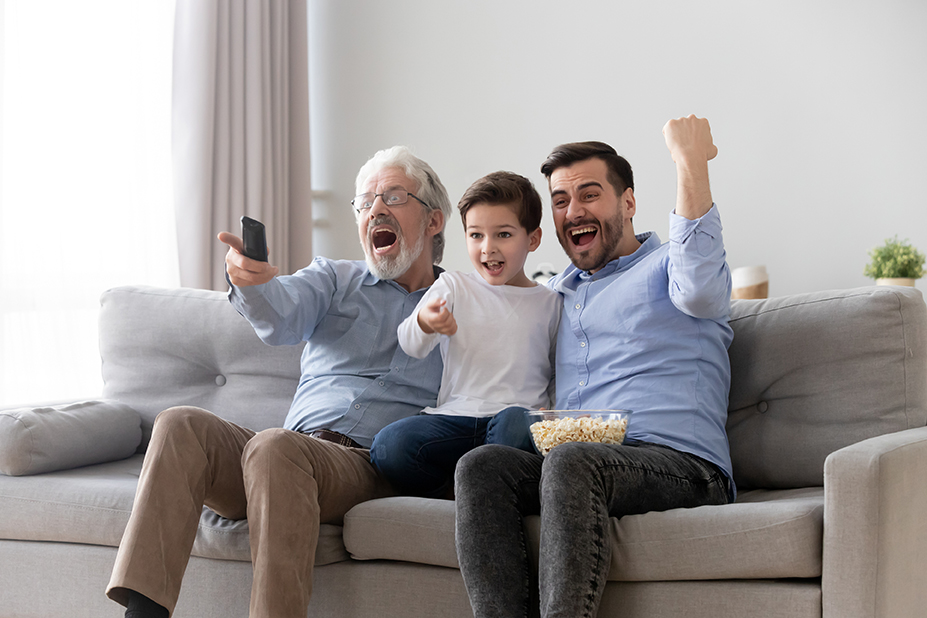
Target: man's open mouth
[
  {"x": 582, "y": 236},
  {"x": 383, "y": 239}
]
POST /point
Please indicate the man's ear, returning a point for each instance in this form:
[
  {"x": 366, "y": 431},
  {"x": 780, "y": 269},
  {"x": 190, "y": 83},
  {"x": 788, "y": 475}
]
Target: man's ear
[
  {"x": 628, "y": 203},
  {"x": 436, "y": 223},
  {"x": 534, "y": 240}
]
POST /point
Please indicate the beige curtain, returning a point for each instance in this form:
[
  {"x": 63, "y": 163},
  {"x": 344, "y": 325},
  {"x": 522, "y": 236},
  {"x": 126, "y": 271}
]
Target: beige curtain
[{"x": 240, "y": 129}]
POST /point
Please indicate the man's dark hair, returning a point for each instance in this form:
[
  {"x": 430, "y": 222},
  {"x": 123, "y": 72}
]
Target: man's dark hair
[
  {"x": 505, "y": 188},
  {"x": 619, "y": 170}
]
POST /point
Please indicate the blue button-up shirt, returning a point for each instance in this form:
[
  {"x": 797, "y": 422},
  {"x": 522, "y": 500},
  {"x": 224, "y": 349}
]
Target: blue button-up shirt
[
  {"x": 355, "y": 377},
  {"x": 649, "y": 333}
]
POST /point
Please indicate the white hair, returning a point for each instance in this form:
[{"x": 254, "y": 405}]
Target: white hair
[{"x": 430, "y": 190}]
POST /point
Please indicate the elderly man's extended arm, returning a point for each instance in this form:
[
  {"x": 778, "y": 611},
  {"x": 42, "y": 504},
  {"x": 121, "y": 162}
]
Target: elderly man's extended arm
[{"x": 286, "y": 309}]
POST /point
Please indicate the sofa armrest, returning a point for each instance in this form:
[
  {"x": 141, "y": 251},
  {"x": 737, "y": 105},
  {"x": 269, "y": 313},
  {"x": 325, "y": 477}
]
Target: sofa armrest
[{"x": 875, "y": 529}]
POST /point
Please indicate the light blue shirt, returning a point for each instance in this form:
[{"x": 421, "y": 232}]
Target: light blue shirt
[
  {"x": 355, "y": 377},
  {"x": 649, "y": 333}
]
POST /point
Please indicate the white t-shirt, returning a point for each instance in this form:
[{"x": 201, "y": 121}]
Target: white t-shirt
[{"x": 503, "y": 353}]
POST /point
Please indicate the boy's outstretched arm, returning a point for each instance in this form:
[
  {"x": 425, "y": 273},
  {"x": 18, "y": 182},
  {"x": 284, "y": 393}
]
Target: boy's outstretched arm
[{"x": 434, "y": 317}]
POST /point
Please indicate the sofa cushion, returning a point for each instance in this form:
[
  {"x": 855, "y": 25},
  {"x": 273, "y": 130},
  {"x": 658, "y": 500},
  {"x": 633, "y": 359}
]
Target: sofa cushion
[
  {"x": 765, "y": 534},
  {"x": 194, "y": 342},
  {"x": 91, "y": 505},
  {"x": 402, "y": 528},
  {"x": 813, "y": 373},
  {"x": 36, "y": 440}
]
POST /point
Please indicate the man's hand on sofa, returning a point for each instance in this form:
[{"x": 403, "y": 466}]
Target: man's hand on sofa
[{"x": 244, "y": 271}]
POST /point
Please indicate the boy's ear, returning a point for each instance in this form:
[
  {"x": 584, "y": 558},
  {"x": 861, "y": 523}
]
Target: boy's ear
[{"x": 534, "y": 240}]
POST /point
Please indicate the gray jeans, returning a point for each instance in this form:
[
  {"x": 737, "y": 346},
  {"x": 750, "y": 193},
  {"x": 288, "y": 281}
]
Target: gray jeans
[{"x": 576, "y": 490}]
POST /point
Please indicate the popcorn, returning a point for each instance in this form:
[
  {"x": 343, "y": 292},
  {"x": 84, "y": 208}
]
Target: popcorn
[{"x": 550, "y": 433}]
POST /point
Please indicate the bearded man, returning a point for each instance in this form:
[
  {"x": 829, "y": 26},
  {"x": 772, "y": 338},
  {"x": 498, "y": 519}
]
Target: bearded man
[
  {"x": 645, "y": 328},
  {"x": 355, "y": 380}
]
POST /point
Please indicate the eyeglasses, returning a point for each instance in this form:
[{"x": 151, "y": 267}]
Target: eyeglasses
[{"x": 393, "y": 197}]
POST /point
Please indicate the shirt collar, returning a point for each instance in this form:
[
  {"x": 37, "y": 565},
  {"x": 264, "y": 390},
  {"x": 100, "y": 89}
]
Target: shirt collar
[{"x": 372, "y": 279}]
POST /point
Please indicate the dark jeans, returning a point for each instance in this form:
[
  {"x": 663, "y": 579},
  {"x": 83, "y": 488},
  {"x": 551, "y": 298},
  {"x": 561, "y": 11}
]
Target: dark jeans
[
  {"x": 576, "y": 489},
  {"x": 418, "y": 454}
]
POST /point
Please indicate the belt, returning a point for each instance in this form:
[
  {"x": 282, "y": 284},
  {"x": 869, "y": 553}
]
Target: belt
[{"x": 334, "y": 436}]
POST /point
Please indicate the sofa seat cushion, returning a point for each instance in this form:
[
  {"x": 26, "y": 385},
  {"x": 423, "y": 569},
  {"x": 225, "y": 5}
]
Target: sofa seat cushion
[
  {"x": 765, "y": 534},
  {"x": 91, "y": 505},
  {"x": 419, "y": 530}
]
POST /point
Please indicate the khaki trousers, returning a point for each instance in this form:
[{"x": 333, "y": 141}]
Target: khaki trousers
[{"x": 285, "y": 483}]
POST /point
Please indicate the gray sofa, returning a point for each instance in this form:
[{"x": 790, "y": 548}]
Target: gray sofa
[{"x": 827, "y": 427}]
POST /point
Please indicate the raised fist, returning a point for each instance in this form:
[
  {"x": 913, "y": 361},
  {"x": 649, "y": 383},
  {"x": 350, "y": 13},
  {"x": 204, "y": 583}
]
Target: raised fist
[{"x": 689, "y": 140}]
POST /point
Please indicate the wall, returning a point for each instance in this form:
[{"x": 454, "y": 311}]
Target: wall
[{"x": 817, "y": 109}]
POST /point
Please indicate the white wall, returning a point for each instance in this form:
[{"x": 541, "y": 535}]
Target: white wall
[{"x": 817, "y": 107}]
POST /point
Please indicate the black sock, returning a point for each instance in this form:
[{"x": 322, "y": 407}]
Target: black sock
[{"x": 140, "y": 606}]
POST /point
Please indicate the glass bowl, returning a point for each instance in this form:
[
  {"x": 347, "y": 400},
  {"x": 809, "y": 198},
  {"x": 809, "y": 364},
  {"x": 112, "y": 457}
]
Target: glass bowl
[{"x": 550, "y": 428}]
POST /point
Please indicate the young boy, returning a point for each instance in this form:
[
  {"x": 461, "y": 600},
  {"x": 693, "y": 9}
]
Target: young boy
[{"x": 497, "y": 331}]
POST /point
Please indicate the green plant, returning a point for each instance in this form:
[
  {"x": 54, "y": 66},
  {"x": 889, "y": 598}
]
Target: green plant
[{"x": 895, "y": 259}]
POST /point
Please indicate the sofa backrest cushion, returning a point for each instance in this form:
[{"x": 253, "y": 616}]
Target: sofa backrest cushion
[
  {"x": 812, "y": 373},
  {"x": 167, "y": 347}
]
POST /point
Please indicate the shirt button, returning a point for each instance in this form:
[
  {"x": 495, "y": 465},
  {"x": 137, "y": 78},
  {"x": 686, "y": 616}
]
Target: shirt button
[
  {"x": 382, "y": 383},
  {"x": 577, "y": 306},
  {"x": 357, "y": 406},
  {"x": 582, "y": 344},
  {"x": 582, "y": 384}
]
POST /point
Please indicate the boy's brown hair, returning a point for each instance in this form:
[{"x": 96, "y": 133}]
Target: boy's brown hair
[{"x": 508, "y": 189}]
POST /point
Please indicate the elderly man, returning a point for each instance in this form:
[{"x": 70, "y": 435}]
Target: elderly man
[
  {"x": 355, "y": 380},
  {"x": 644, "y": 328}
]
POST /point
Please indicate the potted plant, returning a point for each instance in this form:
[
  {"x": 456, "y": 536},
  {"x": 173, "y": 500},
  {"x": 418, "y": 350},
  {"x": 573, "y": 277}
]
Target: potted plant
[{"x": 895, "y": 263}]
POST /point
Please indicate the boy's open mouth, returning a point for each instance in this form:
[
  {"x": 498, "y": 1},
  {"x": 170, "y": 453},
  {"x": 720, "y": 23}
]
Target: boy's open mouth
[
  {"x": 494, "y": 267},
  {"x": 383, "y": 239},
  {"x": 582, "y": 236}
]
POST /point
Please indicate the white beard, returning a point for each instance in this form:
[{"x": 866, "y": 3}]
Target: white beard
[{"x": 391, "y": 267}]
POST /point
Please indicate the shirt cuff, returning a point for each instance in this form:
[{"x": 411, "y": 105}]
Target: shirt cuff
[{"x": 681, "y": 228}]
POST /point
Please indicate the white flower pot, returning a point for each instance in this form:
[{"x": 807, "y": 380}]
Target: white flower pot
[{"x": 896, "y": 281}]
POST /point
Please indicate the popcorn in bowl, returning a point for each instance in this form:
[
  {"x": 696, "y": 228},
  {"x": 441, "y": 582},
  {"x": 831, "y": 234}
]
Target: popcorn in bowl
[{"x": 550, "y": 428}]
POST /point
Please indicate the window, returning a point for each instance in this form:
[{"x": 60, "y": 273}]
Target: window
[{"x": 85, "y": 182}]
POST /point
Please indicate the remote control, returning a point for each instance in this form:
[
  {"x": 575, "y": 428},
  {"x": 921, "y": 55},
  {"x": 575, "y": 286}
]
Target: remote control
[{"x": 254, "y": 239}]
